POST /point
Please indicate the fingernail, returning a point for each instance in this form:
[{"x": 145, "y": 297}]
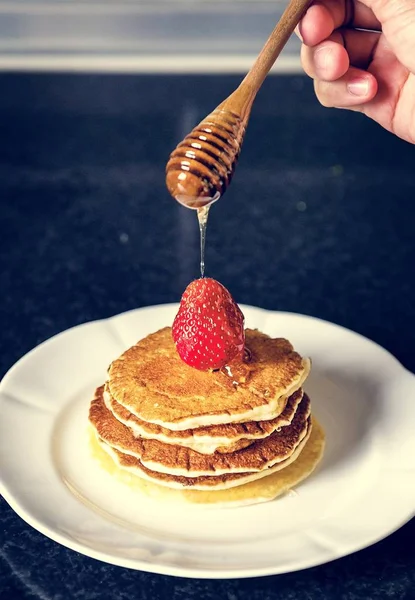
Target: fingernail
[
  {"x": 321, "y": 57},
  {"x": 358, "y": 87},
  {"x": 298, "y": 32}
]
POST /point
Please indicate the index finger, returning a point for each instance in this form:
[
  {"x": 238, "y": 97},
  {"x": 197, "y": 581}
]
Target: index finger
[{"x": 324, "y": 16}]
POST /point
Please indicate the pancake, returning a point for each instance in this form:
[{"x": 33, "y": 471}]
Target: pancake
[
  {"x": 181, "y": 461},
  {"x": 208, "y": 439},
  {"x": 261, "y": 490},
  {"x": 203, "y": 482},
  {"x": 152, "y": 382}
]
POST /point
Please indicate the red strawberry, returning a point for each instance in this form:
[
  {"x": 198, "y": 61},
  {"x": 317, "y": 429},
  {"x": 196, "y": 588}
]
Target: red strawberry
[{"x": 209, "y": 328}]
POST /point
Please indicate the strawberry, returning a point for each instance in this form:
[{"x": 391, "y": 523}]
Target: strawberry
[{"x": 209, "y": 328}]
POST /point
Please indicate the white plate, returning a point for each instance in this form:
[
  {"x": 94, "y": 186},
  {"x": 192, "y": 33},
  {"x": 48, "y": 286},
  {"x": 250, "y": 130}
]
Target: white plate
[{"x": 362, "y": 491}]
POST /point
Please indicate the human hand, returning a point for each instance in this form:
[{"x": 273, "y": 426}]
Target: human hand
[{"x": 372, "y": 72}]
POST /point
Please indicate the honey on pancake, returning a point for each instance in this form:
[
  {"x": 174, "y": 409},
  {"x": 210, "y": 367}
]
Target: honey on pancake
[{"x": 261, "y": 490}]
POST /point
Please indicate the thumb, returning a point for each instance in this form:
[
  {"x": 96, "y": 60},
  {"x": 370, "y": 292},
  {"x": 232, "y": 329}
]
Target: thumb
[{"x": 398, "y": 25}]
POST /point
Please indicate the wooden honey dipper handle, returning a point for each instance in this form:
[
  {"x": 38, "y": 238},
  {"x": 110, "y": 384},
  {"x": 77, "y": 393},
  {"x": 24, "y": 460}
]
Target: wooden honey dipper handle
[{"x": 242, "y": 98}]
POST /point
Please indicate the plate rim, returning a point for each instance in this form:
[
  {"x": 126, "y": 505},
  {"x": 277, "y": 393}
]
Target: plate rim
[{"x": 191, "y": 572}]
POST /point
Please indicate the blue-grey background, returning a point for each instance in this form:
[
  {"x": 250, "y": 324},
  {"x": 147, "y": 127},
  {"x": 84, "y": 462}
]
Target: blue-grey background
[{"x": 319, "y": 219}]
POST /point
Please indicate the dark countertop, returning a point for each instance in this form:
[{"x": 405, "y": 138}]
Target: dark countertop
[{"x": 320, "y": 219}]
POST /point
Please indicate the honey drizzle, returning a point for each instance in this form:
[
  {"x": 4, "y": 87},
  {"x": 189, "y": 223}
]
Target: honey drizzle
[{"x": 202, "y": 216}]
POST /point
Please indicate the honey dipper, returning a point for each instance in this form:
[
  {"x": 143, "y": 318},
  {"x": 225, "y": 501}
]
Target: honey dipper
[{"x": 201, "y": 167}]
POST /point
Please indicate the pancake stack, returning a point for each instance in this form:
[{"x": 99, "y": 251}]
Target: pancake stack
[{"x": 239, "y": 435}]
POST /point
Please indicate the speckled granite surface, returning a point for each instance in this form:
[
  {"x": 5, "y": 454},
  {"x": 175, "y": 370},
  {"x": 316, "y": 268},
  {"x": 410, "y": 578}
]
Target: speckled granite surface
[{"x": 320, "y": 219}]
